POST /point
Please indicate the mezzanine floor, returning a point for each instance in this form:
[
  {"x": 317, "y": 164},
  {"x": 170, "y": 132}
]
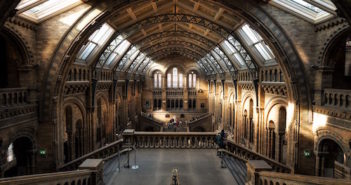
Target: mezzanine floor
[{"x": 196, "y": 167}]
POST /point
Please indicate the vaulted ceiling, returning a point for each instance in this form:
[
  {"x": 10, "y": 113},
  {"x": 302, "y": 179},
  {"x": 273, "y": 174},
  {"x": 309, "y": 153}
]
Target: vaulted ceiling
[{"x": 207, "y": 32}]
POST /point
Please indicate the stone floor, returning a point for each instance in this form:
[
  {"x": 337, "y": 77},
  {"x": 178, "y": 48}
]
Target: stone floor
[{"x": 196, "y": 167}]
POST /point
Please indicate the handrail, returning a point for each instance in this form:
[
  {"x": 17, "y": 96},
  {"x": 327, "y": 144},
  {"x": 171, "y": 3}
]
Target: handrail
[
  {"x": 175, "y": 133},
  {"x": 48, "y": 177},
  {"x": 248, "y": 154},
  {"x": 233, "y": 155},
  {"x": 152, "y": 119},
  {"x": 204, "y": 116},
  {"x": 180, "y": 140},
  {"x": 99, "y": 153},
  {"x": 299, "y": 179}
]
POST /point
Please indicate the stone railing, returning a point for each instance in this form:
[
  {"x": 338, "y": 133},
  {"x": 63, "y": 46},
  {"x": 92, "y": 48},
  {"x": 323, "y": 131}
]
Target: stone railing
[
  {"x": 337, "y": 98},
  {"x": 90, "y": 172},
  {"x": 174, "y": 92},
  {"x": 341, "y": 171},
  {"x": 15, "y": 102},
  {"x": 157, "y": 92},
  {"x": 192, "y": 92},
  {"x": 177, "y": 140},
  {"x": 272, "y": 74},
  {"x": 13, "y": 97},
  {"x": 101, "y": 153},
  {"x": 247, "y": 154},
  {"x": 266, "y": 177}
]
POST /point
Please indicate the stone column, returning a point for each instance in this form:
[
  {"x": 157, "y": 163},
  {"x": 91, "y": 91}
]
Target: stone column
[{"x": 164, "y": 93}]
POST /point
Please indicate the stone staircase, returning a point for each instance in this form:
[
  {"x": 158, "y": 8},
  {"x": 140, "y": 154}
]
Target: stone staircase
[{"x": 237, "y": 168}]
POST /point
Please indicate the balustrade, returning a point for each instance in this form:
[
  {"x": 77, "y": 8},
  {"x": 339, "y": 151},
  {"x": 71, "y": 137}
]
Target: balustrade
[
  {"x": 13, "y": 97},
  {"x": 61, "y": 178},
  {"x": 272, "y": 74},
  {"x": 101, "y": 153},
  {"x": 192, "y": 92},
  {"x": 267, "y": 177},
  {"x": 157, "y": 92},
  {"x": 186, "y": 140},
  {"x": 337, "y": 98},
  {"x": 247, "y": 154},
  {"x": 341, "y": 171},
  {"x": 174, "y": 93}
]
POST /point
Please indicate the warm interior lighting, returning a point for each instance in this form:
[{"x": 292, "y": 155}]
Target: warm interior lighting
[
  {"x": 10, "y": 154},
  {"x": 290, "y": 115},
  {"x": 87, "y": 19},
  {"x": 70, "y": 19},
  {"x": 319, "y": 120},
  {"x": 46, "y": 9}
]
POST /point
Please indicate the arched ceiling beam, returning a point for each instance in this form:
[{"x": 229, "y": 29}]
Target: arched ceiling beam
[
  {"x": 224, "y": 58},
  {"x": 166, "y": 34},
  {"x": 174, "y": 18},
  {"x": 176, "y": 39},
  {"x": 204, "y": 51},
  {"x": 174, "y": 49}
]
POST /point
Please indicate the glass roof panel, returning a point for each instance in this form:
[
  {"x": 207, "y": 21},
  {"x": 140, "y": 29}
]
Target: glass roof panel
[
  {"x": 307, "y": 5},
  {"x": 96, "y": 40},
  {"x": 45, "y": 9},
  {"x": 256, "y": 42},
  {"x": 313, "y": 11}
]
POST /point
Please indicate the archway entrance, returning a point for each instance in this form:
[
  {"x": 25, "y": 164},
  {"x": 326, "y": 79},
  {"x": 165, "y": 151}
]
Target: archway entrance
[
  {"x": 329, "y": 153},
  {"x": 20, "y": 152}
]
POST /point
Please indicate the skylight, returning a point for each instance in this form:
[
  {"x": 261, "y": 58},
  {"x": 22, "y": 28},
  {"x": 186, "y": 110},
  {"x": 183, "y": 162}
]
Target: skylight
[
  {"x": 232, "y": 51},
  {"x": 313, "y": 11},
  {"x": 118, "y": 51},
  {"x": 252, "y": 38},
  {"x": 38, "y": 11},
  {"x": 96, "y": 40}
]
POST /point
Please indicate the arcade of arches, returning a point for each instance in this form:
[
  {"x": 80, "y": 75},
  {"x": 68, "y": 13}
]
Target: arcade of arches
[{"x": 273, "y": 74}]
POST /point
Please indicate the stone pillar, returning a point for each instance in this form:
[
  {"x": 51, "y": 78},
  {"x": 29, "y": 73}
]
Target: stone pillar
[
  {"x": 253, "y": 169},
  {"x": 97, "y": 168},
  {"x": 164, "y": 93}
]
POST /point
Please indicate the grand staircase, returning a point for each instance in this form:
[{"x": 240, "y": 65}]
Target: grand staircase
[{"x": 237, "y": 168}]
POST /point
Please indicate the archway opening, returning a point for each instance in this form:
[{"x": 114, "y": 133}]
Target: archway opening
[
  {"x": 20, "y": 152},
  {"x": 330, "y": 153}
]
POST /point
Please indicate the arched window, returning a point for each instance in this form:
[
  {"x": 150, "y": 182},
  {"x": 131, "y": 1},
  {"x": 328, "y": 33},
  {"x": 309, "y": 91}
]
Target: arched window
[
  {"x": 192, "y": 80},
  {"x": 175, "y": 77},
  {"x": 157, "y": 80},
  {"x": 169, "y": 80},
  {"x": 180, "y": 80}
]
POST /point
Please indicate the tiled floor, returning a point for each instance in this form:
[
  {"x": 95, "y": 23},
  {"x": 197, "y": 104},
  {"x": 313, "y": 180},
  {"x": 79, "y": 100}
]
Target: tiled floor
[{"x": 196, "y": 167}]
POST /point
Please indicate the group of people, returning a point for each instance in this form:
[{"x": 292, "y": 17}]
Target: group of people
[
  {"x": 175, "y": 123},
  {"x": 221, "y": 139}
]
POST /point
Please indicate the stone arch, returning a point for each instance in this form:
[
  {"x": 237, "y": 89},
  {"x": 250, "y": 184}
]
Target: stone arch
[
  {"x": 26, "y": 50},
  {"x": 327, "y": 134},
  {"x": 281, "y": 102},
  {"x": 252, "y": 14},
  {"x": 22, "y": 149},
  {"x": 330, "y": 41}
]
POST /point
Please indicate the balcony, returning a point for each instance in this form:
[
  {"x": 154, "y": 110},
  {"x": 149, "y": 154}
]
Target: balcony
[
  {"x": 15, "y": 104},
  {"x": 337, "y": 98}
]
